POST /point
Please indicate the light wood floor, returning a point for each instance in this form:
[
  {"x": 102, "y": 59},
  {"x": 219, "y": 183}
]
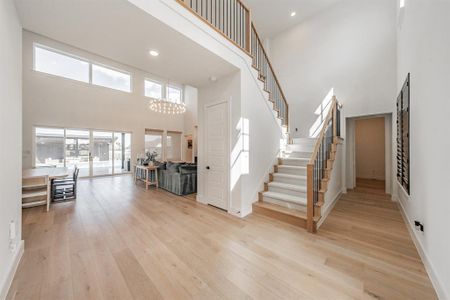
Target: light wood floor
[{"x": 118, "y": 241}]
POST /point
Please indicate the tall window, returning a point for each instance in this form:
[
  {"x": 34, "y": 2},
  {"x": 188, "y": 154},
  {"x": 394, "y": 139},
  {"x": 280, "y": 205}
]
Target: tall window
[
  {"x": 55, "y": 63},
  {"x": 111, "y": 78},
  {"x": 49, "y": 147},
  {"x": 174, "y": 94},
  {"x": 52, "y": 62},
  {"x": 93, "y": 152},
  {"x": 153, "y": 89},
  {"x": 173, "y": 145},
  {"x": 403, "y": 136},
  {"x": 153, "y": 142}
]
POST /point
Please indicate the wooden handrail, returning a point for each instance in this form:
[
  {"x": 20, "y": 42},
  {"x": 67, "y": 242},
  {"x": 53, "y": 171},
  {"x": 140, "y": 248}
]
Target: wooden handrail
[
  {"x": 262, "y": 63},
  {"x": 322, "y": 131},
  {"x": 270, "y": 65},
  {"x": 232, "y": 19},
  {"x": 319, "y": 166},
  {"x": 235, "y": 28}
]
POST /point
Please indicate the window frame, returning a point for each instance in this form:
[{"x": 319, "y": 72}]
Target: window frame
[
  {"x": 157, "y": 82},
  {"x": 176, "y": 87},
  {"x": 90, "y": 63},
  {"x": 404, "y": 141},
  {"x": 60, "y": 52},
  {"x": 90, "y": 130},
  {"x": 91, "y": 77}
]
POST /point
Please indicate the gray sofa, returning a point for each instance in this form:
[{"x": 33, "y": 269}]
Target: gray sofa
[{"x": 177, "y": 178}]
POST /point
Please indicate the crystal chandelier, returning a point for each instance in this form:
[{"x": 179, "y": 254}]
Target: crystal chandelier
[{"x": 167, "y": 107}]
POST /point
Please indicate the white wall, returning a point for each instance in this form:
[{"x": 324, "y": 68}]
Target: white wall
[
  {"x": 370, "y": 148},
  {"x": 190, "y": 122},
  {"x": 226, "y": 89},
  {"x": 424, "y": 51},
  {"x": 350, "y": 47},
  {"x": 55, "y": 101},
  {"x": 11, "y": 146}
]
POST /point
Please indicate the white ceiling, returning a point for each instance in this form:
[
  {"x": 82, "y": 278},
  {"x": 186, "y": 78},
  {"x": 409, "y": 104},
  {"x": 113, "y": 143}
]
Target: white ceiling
[
  {"x": 272, "y": 17},
  {"x": 118, "y": 30}
]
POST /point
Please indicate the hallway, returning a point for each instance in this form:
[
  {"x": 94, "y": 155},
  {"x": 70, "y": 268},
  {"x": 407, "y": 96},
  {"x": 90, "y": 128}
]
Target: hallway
[
  {"x": 378, "y": 248},
  {"x": 120, "y": 241}
]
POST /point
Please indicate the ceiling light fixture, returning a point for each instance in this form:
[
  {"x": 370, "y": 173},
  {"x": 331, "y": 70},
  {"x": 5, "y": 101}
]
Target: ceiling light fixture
[
  {"x": 166, "y": 106},
  {"x": 293, "y": 14},
  {"x": 153, "y": 52}
]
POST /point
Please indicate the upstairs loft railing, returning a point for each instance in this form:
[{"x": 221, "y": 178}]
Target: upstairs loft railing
[
  {"x": 320, "y": 164},
  {"x": 267, "y": 75},
  {"x": 231, "y": 18}
]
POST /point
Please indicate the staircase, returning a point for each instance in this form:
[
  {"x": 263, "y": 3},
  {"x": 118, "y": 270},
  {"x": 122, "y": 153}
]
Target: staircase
[{"x": 296, "y": 189}]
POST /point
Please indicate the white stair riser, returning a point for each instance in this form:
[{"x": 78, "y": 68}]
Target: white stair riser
[
  {"x": 304, "y": 141},
  {"x": 300, "y": 148},
  {"x": 287, "y": 191},
  {"x": 288, "y": 162},
  {"x": 285, "y": 203},
  {"x": 291, "y": 171},
  {"x": 289, "y": 180},
  {"x": 297, "y": 154}
]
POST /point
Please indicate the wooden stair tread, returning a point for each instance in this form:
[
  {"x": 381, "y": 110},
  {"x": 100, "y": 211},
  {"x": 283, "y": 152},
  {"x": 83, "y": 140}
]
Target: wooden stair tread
[{"x": 281, "y": 209}]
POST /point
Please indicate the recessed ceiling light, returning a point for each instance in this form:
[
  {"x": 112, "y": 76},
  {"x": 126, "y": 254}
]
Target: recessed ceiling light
[
  {"x": 293, "y": 14},
  {"x": 153, "y": 53}
]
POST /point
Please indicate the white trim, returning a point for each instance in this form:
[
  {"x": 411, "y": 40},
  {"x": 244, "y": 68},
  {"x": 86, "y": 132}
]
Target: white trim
[
  {"x": 437, "y": 284},
  {"x": 12, "y": 270},
  {"x": 228, "y": 137}
]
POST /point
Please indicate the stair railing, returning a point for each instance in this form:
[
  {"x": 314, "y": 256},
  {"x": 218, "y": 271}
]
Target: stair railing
[
  {"x": 319, "y": 166},
  {"x": 232, "y": 19},
  {"x": 267, "y": 75}
]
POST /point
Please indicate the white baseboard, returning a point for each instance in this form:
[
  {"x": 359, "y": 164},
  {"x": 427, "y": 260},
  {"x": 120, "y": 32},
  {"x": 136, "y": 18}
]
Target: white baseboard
[
  {"x": 12, "y": 270},
  {"x": 328, "y": 209},
  {"x": 437, "y": 284}
]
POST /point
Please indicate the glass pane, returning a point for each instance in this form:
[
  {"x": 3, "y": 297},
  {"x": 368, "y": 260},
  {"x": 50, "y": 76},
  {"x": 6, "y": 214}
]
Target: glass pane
[
  {"x": 111, "y": 78},
  {"x": 153, "y": 89},
  {"x": 122, "y": 152},
  {"x": 49, "y": 147},
  {"x": 153, "y": 143},
  {"x": 173, "y": 146},
  {"x": 102, "y": 153},
  {"x": 77, "y": 150},
  {"x": 174, "y": 94},
  {"x": 60, "y": 65}
]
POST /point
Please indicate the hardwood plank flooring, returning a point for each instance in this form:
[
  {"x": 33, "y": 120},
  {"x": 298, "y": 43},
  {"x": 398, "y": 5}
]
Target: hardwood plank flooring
[{"x": 119, "y": 241}]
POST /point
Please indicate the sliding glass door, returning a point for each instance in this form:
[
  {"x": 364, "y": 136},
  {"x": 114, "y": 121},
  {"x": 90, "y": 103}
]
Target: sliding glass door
[
  {"x": 77, "y": 150},
  {"x": 95, "y": 153},
  {"x": 122, "y": 152},
  {"x": 102, "y": 151}
]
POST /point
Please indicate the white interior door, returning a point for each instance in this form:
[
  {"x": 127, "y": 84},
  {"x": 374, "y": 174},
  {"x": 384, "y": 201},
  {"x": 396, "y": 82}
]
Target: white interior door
[{"x": 216, "y": 188}]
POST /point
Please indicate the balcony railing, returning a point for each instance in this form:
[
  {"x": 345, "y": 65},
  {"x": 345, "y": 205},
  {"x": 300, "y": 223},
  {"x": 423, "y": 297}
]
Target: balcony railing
[{"x": 231, "y": 18}]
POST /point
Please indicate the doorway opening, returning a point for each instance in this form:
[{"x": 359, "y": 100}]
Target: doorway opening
[{"x": 370, "y": 153}]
